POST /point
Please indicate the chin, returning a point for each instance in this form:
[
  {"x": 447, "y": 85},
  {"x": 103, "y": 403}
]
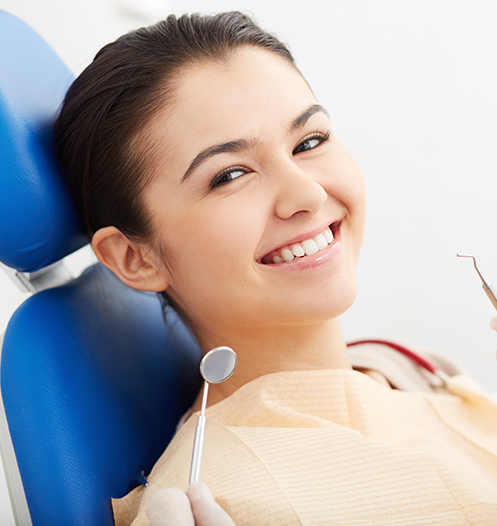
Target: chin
[
  {"x": 331, "y": 303},
  {"x": 340, "y": 300}
]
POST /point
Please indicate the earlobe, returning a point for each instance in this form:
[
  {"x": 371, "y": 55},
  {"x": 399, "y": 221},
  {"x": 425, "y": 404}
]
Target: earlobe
[{"x": 134, "y": 264}]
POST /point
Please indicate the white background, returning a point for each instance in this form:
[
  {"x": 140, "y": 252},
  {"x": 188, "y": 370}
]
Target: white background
[{"x": 411, "y": 87}]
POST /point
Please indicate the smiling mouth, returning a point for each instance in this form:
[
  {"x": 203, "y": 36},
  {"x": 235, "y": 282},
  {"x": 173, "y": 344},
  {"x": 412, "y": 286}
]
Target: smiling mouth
[{"x": 307, "y": 247}]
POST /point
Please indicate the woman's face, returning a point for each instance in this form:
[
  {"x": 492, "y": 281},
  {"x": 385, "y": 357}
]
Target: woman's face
[{"x": 249, "y": 172}]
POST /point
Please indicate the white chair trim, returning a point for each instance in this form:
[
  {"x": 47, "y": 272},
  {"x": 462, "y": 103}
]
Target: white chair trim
[{"x": 18, "y": 500}]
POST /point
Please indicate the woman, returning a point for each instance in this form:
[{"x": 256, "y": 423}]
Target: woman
[{"x": 203, "y": 168}]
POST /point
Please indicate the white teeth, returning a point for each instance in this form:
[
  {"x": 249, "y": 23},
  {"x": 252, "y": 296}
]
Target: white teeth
[
  {"x": 298, "y": 251},
  {"x": 287, "y": 255},
  {"x": 306, "y": 248},
  {"x": 310, "y": 247},
  {"x": 321, "y": 241}
]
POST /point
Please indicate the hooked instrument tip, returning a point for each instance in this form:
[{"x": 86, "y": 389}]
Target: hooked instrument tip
[
  {"x": 487, "y": 287},
  {"x": 459, "y": 255}
]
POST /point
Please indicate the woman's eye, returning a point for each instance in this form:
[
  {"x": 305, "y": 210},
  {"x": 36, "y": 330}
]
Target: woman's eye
[
  {"x": 228, "y": 175},
  {"x": 311, "y": 142}
]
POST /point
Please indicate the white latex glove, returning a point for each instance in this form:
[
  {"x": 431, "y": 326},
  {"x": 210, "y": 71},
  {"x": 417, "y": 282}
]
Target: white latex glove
[
  {"x": 196, "y": 507},
  {"x": 493, "y": 323}
]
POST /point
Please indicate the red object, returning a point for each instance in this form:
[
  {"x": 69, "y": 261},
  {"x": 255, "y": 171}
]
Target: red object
[{"x": 412, "y": 355}]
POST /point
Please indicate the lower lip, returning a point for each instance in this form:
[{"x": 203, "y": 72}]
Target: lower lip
[{"x": 318, "y": 259}]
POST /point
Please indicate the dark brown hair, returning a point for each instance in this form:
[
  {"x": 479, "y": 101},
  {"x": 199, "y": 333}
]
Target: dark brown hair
[{"x": 104, "y": 155}]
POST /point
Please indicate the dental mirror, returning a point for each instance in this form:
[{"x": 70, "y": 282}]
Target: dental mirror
[{"x": 216, "y": 367}]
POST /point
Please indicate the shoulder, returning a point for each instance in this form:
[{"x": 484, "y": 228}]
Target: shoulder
[{"x": 401, "y": 371}]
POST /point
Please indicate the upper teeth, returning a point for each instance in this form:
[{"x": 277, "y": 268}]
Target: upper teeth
[{"x": 306, "y": 248}]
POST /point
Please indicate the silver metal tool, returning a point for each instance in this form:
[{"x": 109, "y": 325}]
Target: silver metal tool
[
  {"x": 487, "y": 286},
  {"x": 216, "y": 367}
]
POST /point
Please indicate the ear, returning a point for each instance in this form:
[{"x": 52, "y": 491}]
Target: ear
[{"x": 135, "y": 265}]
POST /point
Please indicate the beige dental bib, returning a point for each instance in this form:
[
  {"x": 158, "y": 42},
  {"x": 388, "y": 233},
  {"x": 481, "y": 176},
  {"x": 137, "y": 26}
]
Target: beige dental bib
[{"x": 336, "y": 447}]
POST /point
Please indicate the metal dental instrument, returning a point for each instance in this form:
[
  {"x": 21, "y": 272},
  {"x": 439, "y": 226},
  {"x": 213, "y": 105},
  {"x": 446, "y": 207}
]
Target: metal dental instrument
[
  {"x": 216, "y": 367},
  {"x": 487, "y": 286}
]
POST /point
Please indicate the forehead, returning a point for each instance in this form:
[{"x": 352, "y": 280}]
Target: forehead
[
  {"x": 239, "y": 98},
  {"x": 245, "y": 66}
]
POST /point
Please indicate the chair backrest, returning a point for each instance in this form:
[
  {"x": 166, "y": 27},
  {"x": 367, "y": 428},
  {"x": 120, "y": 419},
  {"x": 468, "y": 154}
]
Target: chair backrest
[
  {"x": 38, "y": 227},
  {"x": 92, "y": 380}
]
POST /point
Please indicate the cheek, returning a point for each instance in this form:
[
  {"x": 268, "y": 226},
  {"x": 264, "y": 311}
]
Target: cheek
[
  {"x": 357, "y": 209},
  {"x": 350, "y": 188},
  {"x": 339, "y": 174},
  {"x": 212, "y": 242},
  {"x": 211, "y": 264},
  {"x": 345, "y": 183}
]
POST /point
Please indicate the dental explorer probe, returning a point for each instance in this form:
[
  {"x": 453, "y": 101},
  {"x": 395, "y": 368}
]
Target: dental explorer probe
[
  {"x": 216, "y": 367},
  {"x": 487, "y": 286}
]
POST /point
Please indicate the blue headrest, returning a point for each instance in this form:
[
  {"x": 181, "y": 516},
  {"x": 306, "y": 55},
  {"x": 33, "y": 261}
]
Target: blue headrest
[
  {"x": 38, "y": 221},
  {"x": 93, "y": 384}
]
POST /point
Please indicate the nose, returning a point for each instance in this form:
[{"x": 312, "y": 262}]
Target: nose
[{"x": 298, "y": 193}]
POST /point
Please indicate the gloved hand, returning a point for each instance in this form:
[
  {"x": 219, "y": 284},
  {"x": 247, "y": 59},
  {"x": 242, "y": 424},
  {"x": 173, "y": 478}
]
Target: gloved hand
[
  {"x": 196, "y": 507},
  {"x": 493, "y": 325}
]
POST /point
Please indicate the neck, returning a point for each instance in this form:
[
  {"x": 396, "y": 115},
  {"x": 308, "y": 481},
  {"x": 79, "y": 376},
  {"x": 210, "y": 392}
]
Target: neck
[{"x": 271, "y": 350}]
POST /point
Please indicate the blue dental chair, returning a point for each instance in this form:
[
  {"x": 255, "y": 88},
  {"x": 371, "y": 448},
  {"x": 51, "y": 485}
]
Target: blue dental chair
[{"x": 92, "y": 380}]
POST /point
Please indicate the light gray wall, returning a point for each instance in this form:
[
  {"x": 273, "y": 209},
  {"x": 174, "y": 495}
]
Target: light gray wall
[{"x": 411, "y": 88}]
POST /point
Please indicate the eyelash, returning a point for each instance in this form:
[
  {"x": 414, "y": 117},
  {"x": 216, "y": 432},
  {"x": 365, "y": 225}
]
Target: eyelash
[
  {"x": 316, "y": 135},
  {"x": 218, "y": 179}
]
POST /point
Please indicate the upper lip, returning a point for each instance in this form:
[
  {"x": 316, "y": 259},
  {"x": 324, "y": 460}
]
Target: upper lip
[{"x": 301, "y": 237}]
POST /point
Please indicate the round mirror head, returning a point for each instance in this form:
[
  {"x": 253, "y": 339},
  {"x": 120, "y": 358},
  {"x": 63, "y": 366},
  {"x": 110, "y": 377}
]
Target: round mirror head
[{"x": 218, "y": 365}]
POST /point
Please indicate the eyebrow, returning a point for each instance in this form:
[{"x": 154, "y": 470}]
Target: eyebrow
[
  {"x": 243, "y": 144},
  {"x": 227, "y": 147},
  {"x": 301, "y": 120}
]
